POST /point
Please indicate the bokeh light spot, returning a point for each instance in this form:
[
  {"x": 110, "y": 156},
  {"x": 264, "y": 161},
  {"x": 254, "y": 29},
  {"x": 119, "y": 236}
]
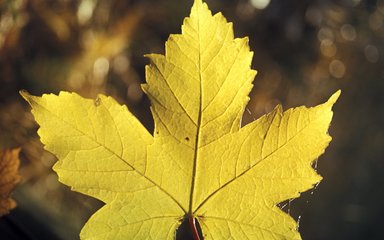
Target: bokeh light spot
[
  {"x": 260, "y": 4},
  {"x": 325, "y": 34},
  {"x": 328, "y": 48},
  {"x": 337, "y": 69},
  {"x": 100, "y": 70},
  {"x": 375, "y": 21},
  {"x": 371, "y": 53},
  {"x": 348, "y": 32},
  {"x": 85, "y": 11},
  {"x": 120, "y": 64}
]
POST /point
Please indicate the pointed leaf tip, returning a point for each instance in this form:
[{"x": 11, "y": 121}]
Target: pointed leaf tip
[
  {"x": 31, "y": 99},
  {"x": 27, "y": 96},
  {"x": 199, "y": 2},
  {"x": 334, "y": 97},
  {"x": 24, "y": 93}
]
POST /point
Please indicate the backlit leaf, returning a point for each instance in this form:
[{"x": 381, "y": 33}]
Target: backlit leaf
[{"x": 198, "y": 162}]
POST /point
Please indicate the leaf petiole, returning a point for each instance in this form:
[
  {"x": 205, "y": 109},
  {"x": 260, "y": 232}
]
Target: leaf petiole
[{"x": 192, "y": 224}]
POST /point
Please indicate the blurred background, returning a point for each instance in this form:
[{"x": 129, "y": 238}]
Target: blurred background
[{"x": 304, "y": 51}]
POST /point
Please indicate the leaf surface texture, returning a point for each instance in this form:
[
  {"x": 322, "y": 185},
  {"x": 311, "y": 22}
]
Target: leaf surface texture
[{"x": 198, "y": 162}]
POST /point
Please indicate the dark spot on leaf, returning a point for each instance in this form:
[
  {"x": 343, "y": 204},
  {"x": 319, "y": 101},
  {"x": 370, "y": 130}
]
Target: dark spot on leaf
[
  {"x": 187, "y": 138},
  {"x": 97, "y": 101}
]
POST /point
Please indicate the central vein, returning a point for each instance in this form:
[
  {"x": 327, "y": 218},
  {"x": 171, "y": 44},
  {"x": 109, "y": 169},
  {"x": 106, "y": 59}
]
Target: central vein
[{"x": 198, "y": 125}]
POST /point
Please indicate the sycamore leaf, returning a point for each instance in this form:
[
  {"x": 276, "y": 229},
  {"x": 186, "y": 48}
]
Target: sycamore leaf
[
  {"x": 9, "y": 177},
  {"x": 199, "y": 162}
]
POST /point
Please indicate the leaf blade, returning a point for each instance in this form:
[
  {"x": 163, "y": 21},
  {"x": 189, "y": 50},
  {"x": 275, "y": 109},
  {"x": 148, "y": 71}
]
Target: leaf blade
[
  {"x": 89, "y": 138},
  {"x": 281, "y": 173},
  {"x": 198, "y": 157}
]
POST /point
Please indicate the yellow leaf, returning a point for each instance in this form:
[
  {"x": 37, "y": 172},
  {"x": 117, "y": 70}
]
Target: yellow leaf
[{"x": 199, "y": 163}]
